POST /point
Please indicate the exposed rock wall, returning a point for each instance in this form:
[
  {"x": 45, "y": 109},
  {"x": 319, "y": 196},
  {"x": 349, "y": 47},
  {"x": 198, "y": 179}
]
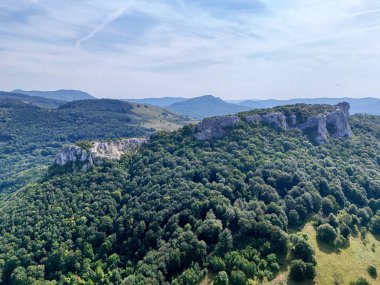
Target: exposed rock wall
[
  {"x": 215, "y": 127},
  {"x": 97, "y": 153},
  {"x": 318, "y": 127}
]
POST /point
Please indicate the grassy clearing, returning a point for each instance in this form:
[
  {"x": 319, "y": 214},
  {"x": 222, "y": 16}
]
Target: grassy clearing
[
  {"x": 346, "y": 265},
  {"x": 158, "y": 118},
  {"x": 335, "y": 267},
  {"x": 340, "y": 267}
]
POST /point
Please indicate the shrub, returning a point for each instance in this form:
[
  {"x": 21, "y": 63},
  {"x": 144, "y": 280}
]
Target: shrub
[
  {"x": 360, "y": 281},
  {"x": 372, "y": 271},
  {"x": 326, "y": 233},
  {"x": 301, "y": 271},
  {"x": 375, "y": 225}
]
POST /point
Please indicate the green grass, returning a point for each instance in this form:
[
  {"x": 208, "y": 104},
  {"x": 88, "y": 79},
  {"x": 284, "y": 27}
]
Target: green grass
[
  {"x": 338, "y": 267},
  {"x": 158, "y": 118}
]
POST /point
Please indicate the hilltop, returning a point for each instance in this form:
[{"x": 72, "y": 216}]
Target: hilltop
[
  {"x": 205, "y": 106},
  {"x": 162, "y": 102},
  {"x": 35, "y": 100},
  {"x": 31, "y": 135},
  {"x": 358, "y": 105},
  {"x": 184, "y": 206},
  {"x": 63, "y": 95}
]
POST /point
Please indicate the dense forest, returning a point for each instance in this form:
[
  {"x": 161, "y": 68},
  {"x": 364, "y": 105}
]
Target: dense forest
[
  {"x": 181, "y": 208},
  {"x": 30, "y": 136}
]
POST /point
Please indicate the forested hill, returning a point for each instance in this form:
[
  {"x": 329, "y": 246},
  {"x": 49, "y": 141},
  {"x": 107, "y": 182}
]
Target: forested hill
[
  {"x": 35, "y": 100},
  {"x": 182, "y": 207},
  {"x": 63, "y": 95},
  {"x": 30, "y": 136}
]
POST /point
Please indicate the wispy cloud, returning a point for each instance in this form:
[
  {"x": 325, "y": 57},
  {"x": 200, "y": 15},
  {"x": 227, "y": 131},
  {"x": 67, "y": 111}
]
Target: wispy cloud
[
  {"x": 109, "y": 19},
  {"x": 241, "y": 48}
]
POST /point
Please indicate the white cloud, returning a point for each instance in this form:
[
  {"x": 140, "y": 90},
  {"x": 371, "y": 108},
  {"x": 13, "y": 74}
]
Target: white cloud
[{"x": 292, "y": 48}]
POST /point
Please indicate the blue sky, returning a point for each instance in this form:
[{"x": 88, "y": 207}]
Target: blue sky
[{"x": 233, "y": 49}]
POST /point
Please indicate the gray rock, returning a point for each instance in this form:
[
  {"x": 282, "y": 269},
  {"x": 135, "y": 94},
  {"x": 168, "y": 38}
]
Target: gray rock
[
  {"x": 71, "y": 154},
  {"x": 319, "y": 128},
  {"x": 97, "y": 153},
  {"x": 253, "y": 119},
  {"x": 275, "y": 119},
  {"x": 316, "y": 125},
  {"x": 215, "y": 127},
  {"x": 345, "y": 107},
  {"x": 337, "y": 124},
  {"x": 293, "y": 120}
]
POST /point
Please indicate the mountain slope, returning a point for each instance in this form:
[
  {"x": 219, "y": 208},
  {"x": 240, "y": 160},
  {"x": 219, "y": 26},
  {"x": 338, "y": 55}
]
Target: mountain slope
[
  {"x": 63, "y": 95},
  {"x": 30, "y": 136},
  {"x": 205, "y": 106},
  {"x": 358, "y": 106},
  {"x": 35, "y": 100},
  {"x": 181, "y": 206},
  {"x": 162, "y": 102}
]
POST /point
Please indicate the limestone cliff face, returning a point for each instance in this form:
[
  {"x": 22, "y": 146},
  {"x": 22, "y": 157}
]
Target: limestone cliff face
[
  {"x": 97, "y": 153},
  {"x": 215, "y": 127},
  {"x": 320, "y": 128}
]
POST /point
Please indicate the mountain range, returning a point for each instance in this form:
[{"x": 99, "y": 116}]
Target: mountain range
[{"x": 206, "y": 106}]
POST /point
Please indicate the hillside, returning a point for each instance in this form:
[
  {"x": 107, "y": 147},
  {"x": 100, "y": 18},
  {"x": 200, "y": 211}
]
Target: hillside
[
  {"x": 205, "y": 106},
  {"x": 358, "y": 106},
  {"x": 186, "y": 204},
  {"x": 162, "y": 102},
  {"x": 30, "y": 136},
  {"x": 35, "y": 100},
  {"x": 63, "y": 95}
]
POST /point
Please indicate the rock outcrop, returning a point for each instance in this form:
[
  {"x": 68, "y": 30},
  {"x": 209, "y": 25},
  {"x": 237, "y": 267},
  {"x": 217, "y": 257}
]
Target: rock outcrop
[
  {"x": 315, "y": 127},
  {"x": 319, "y": 127},
  {"x": 85, "y": 158},
  {"x": 215, "y": 127}
]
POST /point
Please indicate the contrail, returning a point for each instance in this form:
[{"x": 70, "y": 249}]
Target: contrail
[{"x": 112, "y": 17}]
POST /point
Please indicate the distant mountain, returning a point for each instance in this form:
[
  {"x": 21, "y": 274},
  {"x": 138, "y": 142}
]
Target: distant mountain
[
  {"x": 162, "y": 102},
  {"x": 205, "y": 106},
  {"x": 358, "y": 106},
  {"x": 35, "y": 100},
  {"x": 64, "y": 95}
]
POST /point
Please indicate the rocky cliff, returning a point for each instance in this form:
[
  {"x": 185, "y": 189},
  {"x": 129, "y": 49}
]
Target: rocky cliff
[
  {"x": 328, "y": 122},
  {"x": 85, "y": 158}
]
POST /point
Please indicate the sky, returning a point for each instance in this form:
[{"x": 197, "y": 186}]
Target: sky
[{"x": 237, "y": 49}]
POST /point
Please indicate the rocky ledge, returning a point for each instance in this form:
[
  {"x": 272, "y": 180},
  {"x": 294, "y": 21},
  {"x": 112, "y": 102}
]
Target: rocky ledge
[
  {"x": 320, "y": 127},
  {"x": 85, "y": 158}
]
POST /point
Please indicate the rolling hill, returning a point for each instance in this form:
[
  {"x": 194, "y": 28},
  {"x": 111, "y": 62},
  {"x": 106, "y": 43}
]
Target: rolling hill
[
  {"x": 205, "y": 106},
  {"x": 63, "y": 95},
  {"x": 35, "y": 100},
  {"x": 256, "y": 202},
  {"x": 162, "y": 102},
  {"x": 30, "y": 135}
]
